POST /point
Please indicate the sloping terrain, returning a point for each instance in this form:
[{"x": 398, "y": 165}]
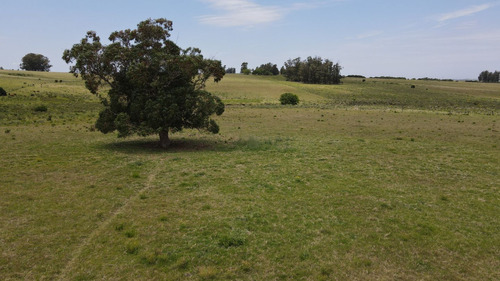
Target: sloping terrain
[{"x": 362, "y": 181}]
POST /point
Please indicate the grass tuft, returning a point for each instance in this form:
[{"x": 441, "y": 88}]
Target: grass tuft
[
  {"x": 207, "y": 272},
  {"x": 40, "y": 108},
  {"x": 231, "y": 241},
  {"x": 132, "y": 247}
]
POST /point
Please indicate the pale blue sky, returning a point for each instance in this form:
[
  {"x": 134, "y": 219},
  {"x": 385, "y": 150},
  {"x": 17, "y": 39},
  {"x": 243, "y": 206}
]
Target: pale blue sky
[{"x": 439, "y": 38}]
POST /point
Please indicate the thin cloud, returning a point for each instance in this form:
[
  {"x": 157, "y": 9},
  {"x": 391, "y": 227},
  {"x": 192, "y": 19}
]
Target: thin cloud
[
  {"x": 369, "y": 34},
  {"x": 249, "y": 13},
  {"x": 465, "y": 12},
  {"x": 241, "y": 12}
]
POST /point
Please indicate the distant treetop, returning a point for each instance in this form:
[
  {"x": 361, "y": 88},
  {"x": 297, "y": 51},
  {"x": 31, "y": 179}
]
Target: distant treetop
[
  {"x": 389, "y": 77},
  {"x": 267, "y": 69},
  {"x": 312, "y": 71},
  {"x": 489, "y": 77},
  {"x": 35, "y": 62}
]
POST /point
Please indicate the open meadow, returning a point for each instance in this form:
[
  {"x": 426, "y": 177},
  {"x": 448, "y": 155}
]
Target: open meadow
[{"x": 367, "y": 180}]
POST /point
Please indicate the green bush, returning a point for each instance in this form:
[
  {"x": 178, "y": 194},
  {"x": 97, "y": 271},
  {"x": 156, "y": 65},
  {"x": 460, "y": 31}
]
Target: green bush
[
  {"x": 289, "y": 98},
  {"x": 2, "y": 92}
]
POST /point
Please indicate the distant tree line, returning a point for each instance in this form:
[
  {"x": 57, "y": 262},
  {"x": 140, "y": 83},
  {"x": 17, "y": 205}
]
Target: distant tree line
[
  {"x": 435, "y": 79},
  {"x": 312, "y": 71},
  {"x": 266, "y": 69},
  {"x": 489, "y": 77},
  {"x": 389, "y": 77}
]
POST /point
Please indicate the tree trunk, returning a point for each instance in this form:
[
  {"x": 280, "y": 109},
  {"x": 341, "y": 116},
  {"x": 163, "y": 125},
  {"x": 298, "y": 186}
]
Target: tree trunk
[{"x": 164, "y": 140}]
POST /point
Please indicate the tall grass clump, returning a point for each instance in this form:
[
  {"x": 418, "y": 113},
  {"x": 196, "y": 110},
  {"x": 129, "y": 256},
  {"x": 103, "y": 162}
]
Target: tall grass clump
[{"x": 40, "y": 108}]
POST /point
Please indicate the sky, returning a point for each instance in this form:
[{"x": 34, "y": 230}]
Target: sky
[{"x": 452, "y": 39}]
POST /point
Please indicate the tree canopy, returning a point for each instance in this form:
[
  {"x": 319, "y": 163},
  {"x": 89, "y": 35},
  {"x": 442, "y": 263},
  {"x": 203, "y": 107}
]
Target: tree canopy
[
  {"x": 266, "y": 69},
  {"x": 230, "y": 70},
  {"x": 312, "y": 70},
  {"x": 35, "y": 62},
  {"x": 489, "y": 77},
  {"x": 244, "y": 68},
  {"x": 155, "y": 87}
]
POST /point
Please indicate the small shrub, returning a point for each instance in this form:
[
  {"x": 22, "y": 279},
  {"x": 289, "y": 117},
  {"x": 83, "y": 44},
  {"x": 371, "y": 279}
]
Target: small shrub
[
  {"x": 289, "y": 98},
  {"x": 2, "y": 92},
  {"x": 413, "y": 86},
  {"x": 41, "y": 108}
]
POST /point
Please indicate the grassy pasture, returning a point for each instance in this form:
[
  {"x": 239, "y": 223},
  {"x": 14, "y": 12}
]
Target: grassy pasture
[
  {"x": 456, "y": 97},
  {"x": 363, "y": 181}
]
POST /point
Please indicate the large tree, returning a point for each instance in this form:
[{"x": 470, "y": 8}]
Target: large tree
[
  {"x": 35, "y": 62},
  {"x": 154, "y": 86}
]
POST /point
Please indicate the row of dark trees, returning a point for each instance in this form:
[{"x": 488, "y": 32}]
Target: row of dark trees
[
  {"x": 313, "y": 70},
  {"x": 266, "y": 69},
  {"x": 489, "y": 77},
  {"x": 230, "y": 70},
  {"x": 263, "y": 69}
]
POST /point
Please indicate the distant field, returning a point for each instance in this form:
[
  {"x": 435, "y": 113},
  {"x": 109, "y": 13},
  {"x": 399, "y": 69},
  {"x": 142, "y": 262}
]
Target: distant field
[
  {"x": 369, "y": 180},
  {"x": 459, "y": 97}
]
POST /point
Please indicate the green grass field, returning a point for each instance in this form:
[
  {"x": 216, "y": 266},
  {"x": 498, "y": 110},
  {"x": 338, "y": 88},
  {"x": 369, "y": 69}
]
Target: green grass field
[{"x": 369, "y": 180}]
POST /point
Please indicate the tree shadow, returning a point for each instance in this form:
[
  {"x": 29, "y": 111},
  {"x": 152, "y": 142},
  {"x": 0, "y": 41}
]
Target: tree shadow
[
  {"x": 149, "y": 146},
  {"x": 186, "y": 144}
]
